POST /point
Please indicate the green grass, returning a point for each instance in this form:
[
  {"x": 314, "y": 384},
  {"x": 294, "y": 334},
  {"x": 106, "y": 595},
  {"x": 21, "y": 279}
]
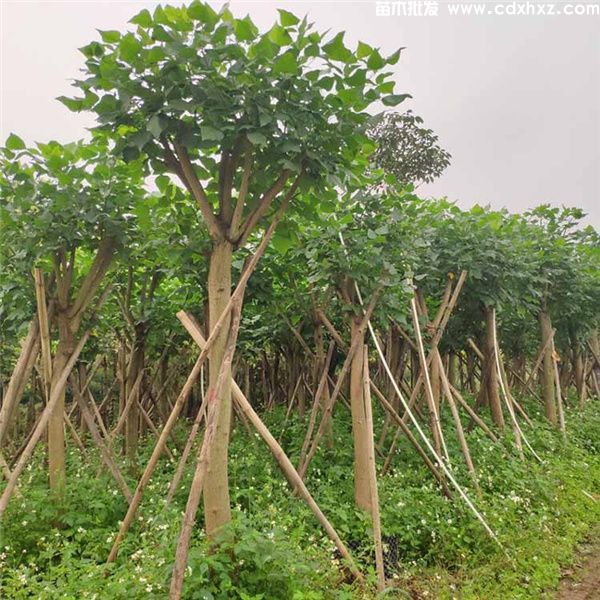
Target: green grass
[{"x": 434, "y": 547}]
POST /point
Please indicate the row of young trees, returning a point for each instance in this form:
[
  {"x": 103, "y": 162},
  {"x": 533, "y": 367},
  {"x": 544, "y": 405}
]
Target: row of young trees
[{"x": 236, "y": 167}]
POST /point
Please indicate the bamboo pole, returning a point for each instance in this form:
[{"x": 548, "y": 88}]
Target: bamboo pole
[
  {"x": 19, "y": 377},
  {"x": 403, "y": 427},
  {"x": 516, "y": 428},
  {"x": 315, "y": 405},
  {"x": 327, "y": 412},
  {"x": 436, "y": 427},
  {"x": 476, "y": 418},
  {"x": 464, "y": 446},
  {"x": 188, "y": 447},
  {"x": 105, "y": 453}
]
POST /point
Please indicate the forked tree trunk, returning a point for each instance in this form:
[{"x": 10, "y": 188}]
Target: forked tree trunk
[
  {"x": 492, "y": 390},
  {"x": 360, "y": 432},
  {"x": 217, "y": 511},
  {"x": 547, "y": 377}
]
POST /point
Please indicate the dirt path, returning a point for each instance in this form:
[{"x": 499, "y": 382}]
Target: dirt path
[{"x": 582, "y": 580}]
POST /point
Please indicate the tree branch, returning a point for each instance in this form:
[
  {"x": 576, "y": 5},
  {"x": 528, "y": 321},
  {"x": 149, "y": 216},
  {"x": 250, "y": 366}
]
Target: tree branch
[
  {"x": 265, "y": 203},
  {"x": 194, "y": 185},
  {"x": 234, "y": 228}
]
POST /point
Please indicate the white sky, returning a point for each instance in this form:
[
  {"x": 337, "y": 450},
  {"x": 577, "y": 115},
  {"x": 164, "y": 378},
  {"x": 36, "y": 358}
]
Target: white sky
[{"x": 515, "y": 99}]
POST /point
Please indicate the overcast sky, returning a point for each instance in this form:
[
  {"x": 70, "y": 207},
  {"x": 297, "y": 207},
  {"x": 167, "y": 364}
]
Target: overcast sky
[{"x": 515, "y": 99}]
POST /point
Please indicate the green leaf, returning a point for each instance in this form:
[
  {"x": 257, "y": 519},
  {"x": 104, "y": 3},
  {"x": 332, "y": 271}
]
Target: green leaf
[
  {"x": 210, "y": 133},
  {"x": 395, "y": 99},
  {"x": 156, "y": 125},
  {"x": 336, "y": 50},
  {"x": 392, "y": 59},
  {"x": 74, "y": 104},
  {"x": 129, "y": 47},
  {"x": 286, "y": 63},
  {"x": 14, "y": 142},
  {"x": 143, "y": 19},
  {"x": 287, "y": 19},
  {"x": 201, "y": 11},
  {"x": 245, "y": 30},
  {"x": 162, "y": 182},
  {"x": 110, "y": 37},
  {"x": 363, "y": 50},
  {"x": 278, "y": 35},
  {"x": 130, "y": 153},
  {"x": 375, "y": 61},
  {"x": 256, "y": 138}
]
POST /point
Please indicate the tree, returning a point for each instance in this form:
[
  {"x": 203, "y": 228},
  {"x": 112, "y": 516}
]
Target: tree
[
  {"x": 242, "y": 118},
  {"x": 77, "y": 200},
  {"x": 406, "y": 149}
]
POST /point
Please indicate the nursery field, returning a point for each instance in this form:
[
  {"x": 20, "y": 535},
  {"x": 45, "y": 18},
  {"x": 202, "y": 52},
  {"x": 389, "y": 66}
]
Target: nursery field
[{"x": 241, "y": 357}]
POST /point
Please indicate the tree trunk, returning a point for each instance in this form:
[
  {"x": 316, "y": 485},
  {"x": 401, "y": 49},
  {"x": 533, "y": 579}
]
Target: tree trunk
[
  {"x": 579, "y": 371},
  {"x": 453, "y": 369},
  {"x": 320, "y": 357},
  {"x": 132, "y": 423},
  {"x": 360, "y": 431},
  {"x": 548, "y": 395},
  {"x": 217, "y": 510},
  {"x": 492, "y": 391},
  {"x": 56, "y": 429}
]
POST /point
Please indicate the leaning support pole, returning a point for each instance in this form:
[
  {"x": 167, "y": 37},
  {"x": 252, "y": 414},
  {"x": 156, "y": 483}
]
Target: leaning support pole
[
  {"x": 105, "y": 453},
  {"x": 516, "y": 428},
  {"x": 201, "y": 414},
  {"x": 284, "y": 462},
  {"x": 19, "y": 377},
  {"x": 462, "y": 440},
  {"x": 403, "y": 427},
  {"x": 41, "y": 424},
  {"x": 436, "y": 427}
]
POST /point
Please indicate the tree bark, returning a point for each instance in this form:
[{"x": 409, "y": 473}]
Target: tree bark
[
  {"x": 132, "y": 422},
  {"x": 547, "y": 377},
  {"x": 492, "y": 391},
  {"x": 360, "y": 431},
  {"x": 217, "y": 511},
  {"x": 56, "y": 428}
]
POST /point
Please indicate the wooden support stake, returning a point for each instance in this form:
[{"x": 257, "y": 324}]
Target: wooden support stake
[{"x": 106, "y": 454}]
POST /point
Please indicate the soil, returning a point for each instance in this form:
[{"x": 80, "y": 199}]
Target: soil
[{"x": 581, "y": 581}]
